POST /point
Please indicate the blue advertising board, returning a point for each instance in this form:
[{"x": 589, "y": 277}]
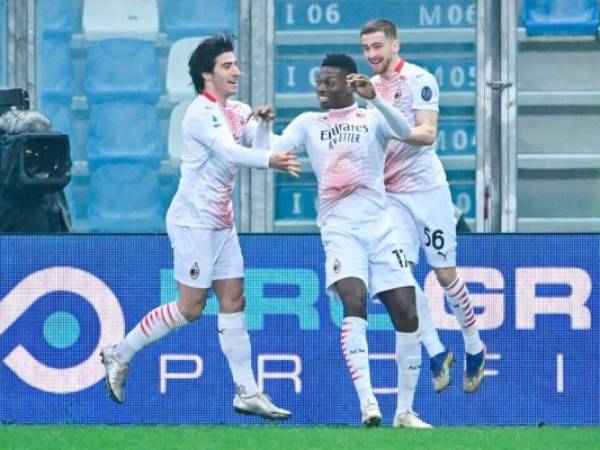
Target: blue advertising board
[
  {"x": 295, "y": 76},
  {"x": 317, "y": 15},
  {"x": 62, "y": 298}
]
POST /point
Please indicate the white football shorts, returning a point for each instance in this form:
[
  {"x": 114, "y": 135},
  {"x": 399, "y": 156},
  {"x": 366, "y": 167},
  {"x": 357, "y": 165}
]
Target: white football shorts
[
  {"x": 426, "y": 219},
  {"x": 202, "y": 255},
  {"x": 371, "y": 253}
]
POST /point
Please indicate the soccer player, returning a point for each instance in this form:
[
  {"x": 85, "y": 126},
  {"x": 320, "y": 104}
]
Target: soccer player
[
  {"x": 419, "y": 196},
  {"x": 201, "y": 228},
  {"x": 346, "y": 147}
]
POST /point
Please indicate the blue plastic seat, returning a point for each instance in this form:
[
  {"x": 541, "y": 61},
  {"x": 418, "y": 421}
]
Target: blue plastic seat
[
  {"x": 560, "y": 17},
  {"x": 124, "y": 132},
  {"x": 186, "y": 18},
  {"x": 122, "y": 69},
  {"x": 57, "y": 18},
  {"x": 56, "y": 70},
  {"x": 60, "y": 115},
  {"x": 125, "y": 197}
]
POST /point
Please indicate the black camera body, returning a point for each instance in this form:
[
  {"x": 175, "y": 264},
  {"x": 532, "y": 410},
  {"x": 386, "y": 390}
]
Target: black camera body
[
  {"x": 35, "y": 162},
  {"x": 35, "y": 166}
]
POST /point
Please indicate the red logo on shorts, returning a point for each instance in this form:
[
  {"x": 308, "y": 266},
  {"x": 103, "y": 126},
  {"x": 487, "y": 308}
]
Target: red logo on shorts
[
  {"x": 337, "y": 266},
  {"x": 195, "y": 271}
]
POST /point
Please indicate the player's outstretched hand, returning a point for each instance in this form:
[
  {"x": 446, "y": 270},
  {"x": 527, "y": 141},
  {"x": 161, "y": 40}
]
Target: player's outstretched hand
[
  {"x": 286, "y": 162},
  {"x": 361, "y": 84},
  {"x": 263, "y": 112}
]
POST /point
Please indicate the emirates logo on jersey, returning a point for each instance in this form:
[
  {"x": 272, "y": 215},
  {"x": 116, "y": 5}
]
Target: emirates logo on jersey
[
  {"x": 337, "y": 266},
  {"x": 195, "y": 271}
]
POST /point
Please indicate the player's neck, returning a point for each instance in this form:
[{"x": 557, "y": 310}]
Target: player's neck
[
  {"x": 215, "y": 96},
  {"x": 343, "y": 105},
  {"x": 393, "y": 66}
]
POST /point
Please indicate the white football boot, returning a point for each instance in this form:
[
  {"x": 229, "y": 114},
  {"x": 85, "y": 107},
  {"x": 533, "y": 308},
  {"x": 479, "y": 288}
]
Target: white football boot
[
  {"x": 409, "y": 419},
  {"x": 371, "y": 415},
  {"x": 259, "y": 404},
  {"x": 116, "y": 373}
]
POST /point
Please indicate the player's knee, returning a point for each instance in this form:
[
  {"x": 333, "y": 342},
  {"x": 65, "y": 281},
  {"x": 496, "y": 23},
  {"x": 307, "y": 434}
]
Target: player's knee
[
  {"x": 405, "y": 315},
  {"x": 355, "y": 306},
  {"x": 191, "y": 311},
  {"x": 233, "y": 303},
  {"x": 446, "y": 275}
]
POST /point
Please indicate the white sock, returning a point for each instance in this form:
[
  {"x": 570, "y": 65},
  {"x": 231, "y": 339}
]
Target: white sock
[
  {"x": 429, "y": 335},
  {"x": 408, "y": 360},
  {"x": 235, "y": 344},
  {"x": 356, "y": 352},
  {"x": 458, "y": 299},
  {"x": 157, "y": 323}
]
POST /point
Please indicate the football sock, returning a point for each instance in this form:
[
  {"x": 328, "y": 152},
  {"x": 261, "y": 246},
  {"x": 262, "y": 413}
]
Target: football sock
[
  {"x": 157, "y": 323},
  {"x": 356, "y": 352},
  {"x": 235, "y": 344},
  {"x": 458, "y": 299},
  {"x": 408, "y": 361},
  {"x": 427, "y": 331}
]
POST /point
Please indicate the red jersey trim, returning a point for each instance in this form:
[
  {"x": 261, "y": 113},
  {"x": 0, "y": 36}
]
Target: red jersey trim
[
  {"x": 399, "y": 66},
  {"x": 209, "y": 96}
]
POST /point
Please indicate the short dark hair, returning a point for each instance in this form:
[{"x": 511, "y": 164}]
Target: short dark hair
[
  {"x": 386, "y": 26},
  {"x": 204, "y": 56},
  {"x": 340, "y": 61}
]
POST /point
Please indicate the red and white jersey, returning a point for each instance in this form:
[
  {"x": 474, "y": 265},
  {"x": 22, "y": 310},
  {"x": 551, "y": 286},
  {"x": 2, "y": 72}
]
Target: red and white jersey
[
  {"x": 346, "y": 148},
  {"x": 410, "y": 168},
  {"x": 214, "y": 144}
]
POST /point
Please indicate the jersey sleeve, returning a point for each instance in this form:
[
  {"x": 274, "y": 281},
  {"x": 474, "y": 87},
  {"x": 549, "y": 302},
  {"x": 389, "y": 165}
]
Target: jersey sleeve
[
  {"x": 293, "y": 136},
  {"x": 208, "y": 128},
  {"x": 424, "y": 91},
  {"x": 391, "y": 123}
]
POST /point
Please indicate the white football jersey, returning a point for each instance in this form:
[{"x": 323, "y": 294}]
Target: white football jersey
[
  {"x": 410, "y": 168},
  {"x": 215, "y": 142},
  {"x": 346, "y": 148}
]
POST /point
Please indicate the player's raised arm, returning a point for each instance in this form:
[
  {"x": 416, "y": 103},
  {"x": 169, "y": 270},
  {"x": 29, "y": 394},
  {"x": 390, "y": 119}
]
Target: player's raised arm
[
  {"x": 220, "y": 140},
  {"x": 425, "y": 130}
]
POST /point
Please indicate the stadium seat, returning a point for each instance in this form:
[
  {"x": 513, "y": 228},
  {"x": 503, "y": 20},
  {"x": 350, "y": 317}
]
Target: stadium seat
[
  {"x": 62, "y": 120},
  {"x": 59, "y": 114},
  {"x": 56, "y": 70},
  {"x": 125, "y": 197},
  {"x": 560, "y": 17},
  {"x": 185, "y": 18},
  {"x": 124, "y": 132},
  {"x": 175, "y": 140},
  {"x": 122, "y": 69},
  {"x": 107, "y": 19},
  {"x": 56, "y": 19},
  {"x": 179, "y": 83}
]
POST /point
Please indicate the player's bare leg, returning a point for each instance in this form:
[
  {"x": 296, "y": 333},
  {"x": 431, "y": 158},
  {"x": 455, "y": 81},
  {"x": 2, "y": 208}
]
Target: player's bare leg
[
  {"x": 353, "y": 294},
  {"x": 156, "y": 324},
  {"x": 235, "y": 344},
  {"x": 401, "y": 306},
  {"x": 459, "y": 301}
]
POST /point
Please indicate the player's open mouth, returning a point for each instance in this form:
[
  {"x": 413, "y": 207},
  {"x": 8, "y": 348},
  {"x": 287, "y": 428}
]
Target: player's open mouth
[
  {"x": 375, "y": 61},
  {"x": 322, "y": 98}
]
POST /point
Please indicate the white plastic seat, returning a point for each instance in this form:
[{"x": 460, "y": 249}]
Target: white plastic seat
[
  {"x": 179, "y": 83},
  {"x": 106, "y": 19},
  {"x": 175, "y": 139}
]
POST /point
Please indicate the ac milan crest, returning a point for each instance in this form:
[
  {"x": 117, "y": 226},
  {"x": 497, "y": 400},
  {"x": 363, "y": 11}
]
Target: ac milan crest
[
  {"x": 195, "y": 271},
  {"x": 337, "y": 266}
]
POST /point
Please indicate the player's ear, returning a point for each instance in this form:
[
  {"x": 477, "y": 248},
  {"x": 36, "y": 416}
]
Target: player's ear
[
  {"x": 206, "y": 76},
  {"x": 396, "y": 45}
]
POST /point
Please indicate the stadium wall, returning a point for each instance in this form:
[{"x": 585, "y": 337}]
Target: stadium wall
[{"x": 63, "y": 297}]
